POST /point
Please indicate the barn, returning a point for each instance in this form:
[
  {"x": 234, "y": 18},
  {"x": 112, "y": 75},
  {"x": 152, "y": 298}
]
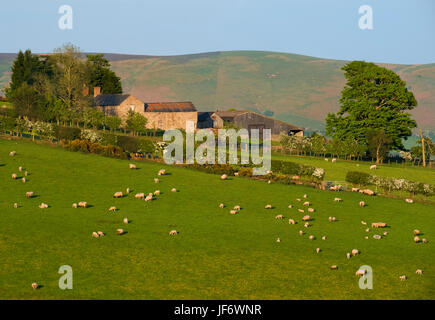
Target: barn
[{"x": 250, "y": 120}]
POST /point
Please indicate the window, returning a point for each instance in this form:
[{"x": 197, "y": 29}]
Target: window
[{"x": 132, "y": 107}]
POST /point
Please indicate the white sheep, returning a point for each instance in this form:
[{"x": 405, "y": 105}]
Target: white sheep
[
  {"x": 12, "y": 153},
  {"x": 337, "y": 199},
  {"x": 301, "y": 233},
  {"x": 157, "y": 192},
  {"x": 409, "y": 200},
  {"x": 173, "y": 190},
  {"x": 311, "y": 210},
  {"x": 317, "y": 250},
  {"x": 290, "y": 206},
  {"x": 118, "y": 194},
  {"x": 35, "y": 286},
  {"x": 14, "y": 176},
  {"x": 268, "y": 206},
  {"x": 161, "y": 172},
  {"x": 278, "y": 240},
  {"x": 24, "y": 180},
  {"x": 323, "y": 237},
  {"x": 140, "y": 195},
  {"x": 173, "y": 232},
  {"x": 224, "y": 177},
  {"x": 125, "y": 220},
  {"x": 221, "y": 206},
  {"x": 334, "y": 160},
  {"x": 233, "y": 212},
  {"x": 355, "y": 252},
  {"x": 120, "y": 231},
  {"x": 402, "y": 278},
  {"x": 362, "y": 204},
  {"x": 280, "y": 216},
  {"x": 348, "y": 255},
  {"x": 112, "y": 209},
  {"x": 419, "y": 271},
  {"x": 237, "y": 208},
  {"x": 83, "y": 204},
  {"x": 416, "y": 232},
  {"x": 373, "y": 167},
  {"x": 15, "y": 205},
  {"x": 311, "y": 237},
  {"x": 132, "y": 166},
  {"x": 291, "y": 221},
  {"x": 74, "y": 205},
  {"x": 360, "y": 272}
]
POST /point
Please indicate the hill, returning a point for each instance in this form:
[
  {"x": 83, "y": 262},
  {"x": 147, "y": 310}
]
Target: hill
[{"x": 294, "y": 88}]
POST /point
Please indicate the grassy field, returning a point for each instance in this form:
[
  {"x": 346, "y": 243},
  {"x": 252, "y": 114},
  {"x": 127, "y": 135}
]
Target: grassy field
[
  {"x": 337, "y": 171},
  {"x": 215, "y": 255}
]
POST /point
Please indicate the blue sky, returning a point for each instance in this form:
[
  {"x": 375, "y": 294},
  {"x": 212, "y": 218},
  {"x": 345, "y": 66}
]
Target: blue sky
[{"x": 403, "y": 31}]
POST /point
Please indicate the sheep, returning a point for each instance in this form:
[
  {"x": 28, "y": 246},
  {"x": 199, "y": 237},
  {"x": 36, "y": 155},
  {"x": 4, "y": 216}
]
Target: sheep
[
  {"x": 173, "y": 190},
  {"x": 368, "y": 192},
  {"x": 419, "y": 271},
  {"x": 100, "y": 233},
  {"x": 236, "y": 174},
  {"x": 355, "y": 252},
  {"x": 15, "y": 205},
  {"x": 379, "y": 225},
  {"x": 335, "y": 188},
  {"x": 305, "y": 196},
  {"x": 330, "y": 219},
  {"x": 161, "y": 172},
  {"x": 173, "y": 232},
  {"x": 301, "y": 210},
  {"x": 323, "y": 237},
  {"x": 291, "y": 221},
  {"x": 334, "y": 160},
  {"x": 148, "y": 198},
  {"x": 20, "y": 169},
  {"x": 311, "y": 210},
  {"x": 224, "y": 177},
  {"x": 280, "y": 216},
  {"x": 416, "y": 232},
  {"x": 385, "y": 233},
  {"x": 268, "y": 206},
  {"x": 297, "y": 199},
  {"x": 318, "y": 250},
  {"x": 348, "y": 255},
  {"x": 118, "y": 194},
  {"x": 278, "y": 240},
  {"x": 377, "y": 237},
  {"x": 140, "y": 195},
  {"x": 367, "y": 230},
  {"x": 402, "y": 278},
  {"x": 416, "y": 239},
  {"x": 24, "y": 180},
  {"x": 74, "y": 205},
  {"x": 233, "y": 212},
  {"x": 132, "y": 166},
  {"x": 43, "y": 206},
  {"x": 236, "y": 208},
  {"x": 409, "y": 200},
  {"x": 156, "y": 180},
  {"x": 112, "y": 209},
  {"x": 221, "y": 206},
  {"x": 295, "y": 178},
  {"x": 362, "y": 204},
  {"x": 35, "y": 286},
  {"x": 26, "y": 173},
  {"x": 269, "y": 182},
  {"x": 290, "y": 206},
  {"x": 366, "y": 237},
  {"x": 337, "y": 199},
  {"x": 14, "y": 176},
  {"x": 301, "y": 233},
  {"x": 12, "y": 153},
  {"x": 95, "y": 235},
  {"x": 125, "y": 221},
  {"x": 373, "y": 167},
  {"x": 307, "y": 224},
  {"x": 306, "y": 203},
  {"x": 83, "y": 204},
  {"x": 127, "y": 191},
  {"x": 306, "y": 218},
  {"x": 424, "y": 240},
  {"x": 364, "y": 223},
  {"x": 334, "y": 267},
  {"x": 333, "y": 219},
  {"x": 311, "y": 237},
  {"x": 355, "y": 189},
  {"x": 157, "y": 192},
  {"x": 360, "y": 272},
  {"x": 120, "y": 231},
  {"x": 326, "y": 159}
]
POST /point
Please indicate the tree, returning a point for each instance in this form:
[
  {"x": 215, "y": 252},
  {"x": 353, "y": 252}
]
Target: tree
[
  {"x": 136, "y": 122},
  {"x": 379, "y": 144},
  {"x": 24, "y": 69},
  {"x": 98, "y": 74},
  {"x": 25, "y": 100},
  {"x": 113, "y": 122},
  {"x": 373, "y": 98}
]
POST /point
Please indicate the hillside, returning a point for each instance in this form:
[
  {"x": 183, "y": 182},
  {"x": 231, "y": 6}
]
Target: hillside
[{"x": 298, "y": 89}]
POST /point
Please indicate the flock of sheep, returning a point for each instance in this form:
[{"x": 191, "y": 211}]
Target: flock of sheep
[
  {"x": 306, "y": 205},
  {"x": 305, "y": 219}
]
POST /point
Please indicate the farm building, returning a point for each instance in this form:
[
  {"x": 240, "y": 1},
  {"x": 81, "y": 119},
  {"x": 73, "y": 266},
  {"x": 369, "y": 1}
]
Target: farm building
[
  {"x": 247, "y": 120},
  {"x": 160, "y": 115}
]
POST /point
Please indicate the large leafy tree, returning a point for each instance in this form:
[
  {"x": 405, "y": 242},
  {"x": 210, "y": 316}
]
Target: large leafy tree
[
  {"x": 373, "y": 98},
  {"x": 136, "y": 122},
  {"x": 99, "y": 74}
]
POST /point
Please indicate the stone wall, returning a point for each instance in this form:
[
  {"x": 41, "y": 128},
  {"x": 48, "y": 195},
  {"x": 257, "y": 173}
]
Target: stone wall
[{"x": 170, "y": 120}]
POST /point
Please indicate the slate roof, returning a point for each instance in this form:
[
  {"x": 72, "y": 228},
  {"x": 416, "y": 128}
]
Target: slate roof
[
  {"x": 169, "y": 107},
  {"x": 110, "y": 99}
]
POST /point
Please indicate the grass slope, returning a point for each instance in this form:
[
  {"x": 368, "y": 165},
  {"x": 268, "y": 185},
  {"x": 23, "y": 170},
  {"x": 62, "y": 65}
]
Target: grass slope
[{"x": 215, "y": 256}]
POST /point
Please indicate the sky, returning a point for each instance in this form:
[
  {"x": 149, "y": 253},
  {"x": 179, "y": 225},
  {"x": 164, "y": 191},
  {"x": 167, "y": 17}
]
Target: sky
[{"x": 403, "y": 31}]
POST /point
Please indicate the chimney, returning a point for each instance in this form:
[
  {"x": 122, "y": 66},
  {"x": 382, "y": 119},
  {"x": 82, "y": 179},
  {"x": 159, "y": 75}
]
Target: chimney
[
  {"x": 85, "y": 91},
  {"x": 97, "y": 91}
]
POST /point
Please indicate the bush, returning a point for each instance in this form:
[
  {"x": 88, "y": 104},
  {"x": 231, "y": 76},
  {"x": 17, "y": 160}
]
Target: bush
[
  {"x": 359, "y": 178},
  {"x": 108, "y": 138},
  {"x": 291, "y": 168},
  {"x": 127, "y": 143},
  {"x": 67, "y": 133},
  {"x": 145, "y": 145}
]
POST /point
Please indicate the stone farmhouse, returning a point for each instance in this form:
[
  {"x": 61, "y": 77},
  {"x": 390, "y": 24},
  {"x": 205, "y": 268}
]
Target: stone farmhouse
[{"x": 160, "y": 115}]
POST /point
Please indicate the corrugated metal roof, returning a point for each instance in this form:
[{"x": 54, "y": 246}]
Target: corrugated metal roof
[{"x": 169, "y": 107}]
